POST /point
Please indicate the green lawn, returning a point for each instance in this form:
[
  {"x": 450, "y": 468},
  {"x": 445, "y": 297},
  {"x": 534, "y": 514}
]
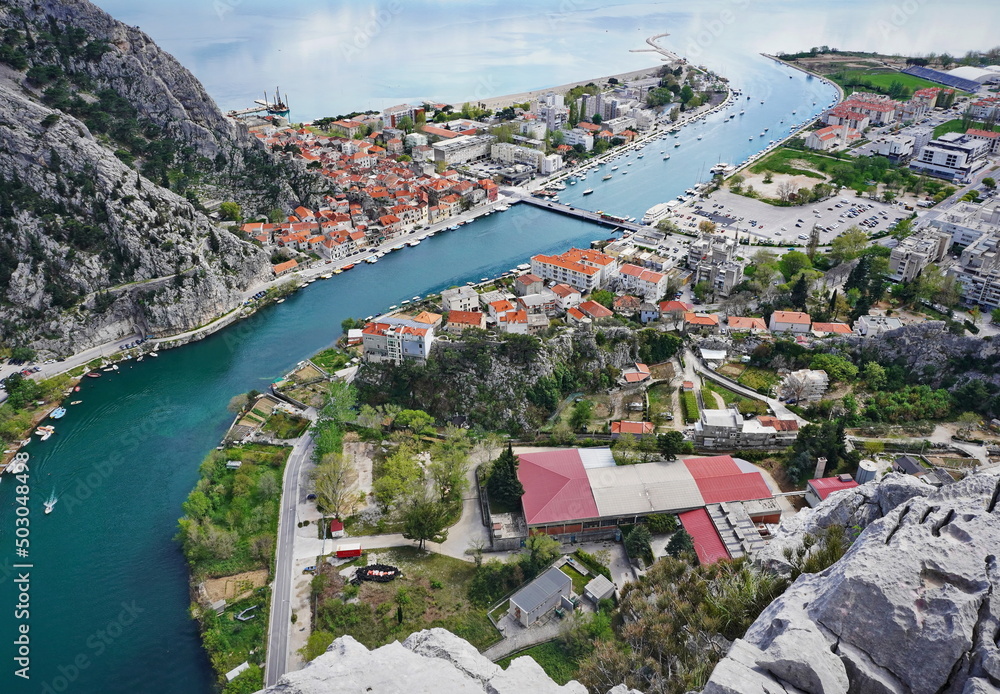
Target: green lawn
[
  {"x": 689, "y": 404},
  {"x": 579, "y": 580},
  {"x": 955, "y": 126},
  {"x": 882, "y": 79},
  {"x": 331, "y": 359},
  {"x": 282, "y": 425},
  {"x": 552, "y": 656},
  {"x": 790, "y": 162},
  {"x": 760, "y": 380},
  {"x": 432, "y": 592}
]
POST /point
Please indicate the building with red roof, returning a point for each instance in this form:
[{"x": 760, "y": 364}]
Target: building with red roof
[
  {"x": 819, "y": 489},
  {"x": 708, "y": 544},
  {"x": 823, "y": 329},
  {"x": 634, "y": 428},
  {"x": 460, "y": 320},
  {"x": 595, "y": 310}
]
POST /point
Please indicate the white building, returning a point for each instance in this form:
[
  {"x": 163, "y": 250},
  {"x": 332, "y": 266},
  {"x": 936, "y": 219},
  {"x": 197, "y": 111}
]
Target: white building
[
  {"x": 789, "y": 321},
  {"x": 463, "y": 148},
  {"x": 460, "y": 299},
  {"x": 805, "y": 385},
  {"x": 578, "y": 136},
  {"x": 647, "y": 284},
  {"x": 872, "y": 325},
  {"x": 729, "y": 430},
  {"x": 586, "y": 270},
  {"x": 914, "y": 253},
  {"x": 953, "y": 156},
  {"x": 393, "y": 340},
  {"x": 894, "y": 147}
]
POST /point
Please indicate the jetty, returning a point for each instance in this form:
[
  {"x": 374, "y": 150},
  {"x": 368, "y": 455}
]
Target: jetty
[{"x": 585, "y": 215}]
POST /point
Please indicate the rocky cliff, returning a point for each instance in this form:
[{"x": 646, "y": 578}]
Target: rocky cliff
[
  {"x": 428, "y": 662},
  {"x": 107, "y": 148},
  {"x": 910, "y": 608}
]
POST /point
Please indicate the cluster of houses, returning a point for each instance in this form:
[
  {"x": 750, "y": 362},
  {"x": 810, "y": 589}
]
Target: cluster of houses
[
  {"x": 850, "y": 118},
  {"x": 795, "y": 323}
]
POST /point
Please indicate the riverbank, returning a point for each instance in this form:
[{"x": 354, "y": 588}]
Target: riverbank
[{"x": 54, "y": 391}]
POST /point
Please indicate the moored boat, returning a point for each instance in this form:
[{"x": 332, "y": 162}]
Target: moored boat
[{"x": 58, "y": 413}]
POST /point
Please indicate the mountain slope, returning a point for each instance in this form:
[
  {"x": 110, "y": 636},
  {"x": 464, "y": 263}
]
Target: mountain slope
[{"x": 107, "y": 147}]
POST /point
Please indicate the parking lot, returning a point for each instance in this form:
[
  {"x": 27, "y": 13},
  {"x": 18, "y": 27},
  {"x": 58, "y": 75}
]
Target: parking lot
[{"x": 790, "y": 225}]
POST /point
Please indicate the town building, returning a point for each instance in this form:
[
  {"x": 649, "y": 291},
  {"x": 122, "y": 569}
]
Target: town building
[
  {"x": 647, "y": 284},
  {"x": 911, "y": 255},
  {"x": 460, "y": 320},
  {"x": 636, "y": 429},
  {"x": 824, "y": 329},
  {"x": 584, "y": 269},
  {"x": 745, "y": 324},
  {"x": 528, "y": 283},
  {"x": 728, "y": 429},
  {"x": 712, "y": 258},
  {"x": 462, "y": 149},
  {"x": 894, "y": 147},
  {"x": 393, "y": 339},
  {"x": 832, "y": 137},
  {"x": 805, "y": 385},
  {"x": 460, "y": 299},
  {"x": 953, "y": 156},
  {"x": 701, "y": 321},
  {"x": 819, "y": 489},
  {"x": 967, "y": 222},
  {"x": 789, "y": 321},
  {"x": 874, "y": 325},
  {"x": 543, "y": 594}
]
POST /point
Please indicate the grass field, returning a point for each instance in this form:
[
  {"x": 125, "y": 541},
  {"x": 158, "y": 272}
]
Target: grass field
[
  {"x": 552, "y": 656},
  {"x": 791, "y": 161},
  {"x": 758, "y": 379},
  {"x": 331, "y": 359},
  {"x": 882, "y": 79},
  {"x": 955, "y": 126},
  {"x": 579, "y": 580}
]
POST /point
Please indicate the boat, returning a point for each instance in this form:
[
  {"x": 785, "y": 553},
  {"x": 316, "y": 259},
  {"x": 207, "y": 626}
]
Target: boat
[
  {"x": 414, "y": 242},
  {"x": 742, "y": 112},
  {"x": 45, "y": 432},
  {"x": 50, "y": 503},
  {"x": 93, "y": 374},
  {"x": 665, "y": 157},
  {"x": 615, "y": 167},
  {"x": 348, "y": 267},
  {"x": 279, "y": 301},
  {"x": 154, "y": 355},
  {"x": 76, "y": 402},
  {"x": 588, "y": 191},
  {"x": 640, "y": 156},
  {"x": 677, "y": 144},
  {"x": 139, "y": 358},
  {"x": 416, "y": 298},
  {"x": 699, "y": 137},
  {"x": 624, "y": 172},
  {"x": 657, "y": 212},
  {"x": 606, "y": 177},
  {"x": 404, "y": 302},
  {"x": 76, "y": 389},
  {"x": 58, "y": 413}
]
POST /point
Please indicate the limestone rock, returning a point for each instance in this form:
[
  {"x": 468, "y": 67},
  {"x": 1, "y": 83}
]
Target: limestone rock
[
  {"x": 433, "y": 661},
  {"x": 911, "y": 607}
]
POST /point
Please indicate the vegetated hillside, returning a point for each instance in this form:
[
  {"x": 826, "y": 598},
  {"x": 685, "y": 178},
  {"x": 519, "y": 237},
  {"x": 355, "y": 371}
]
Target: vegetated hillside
[
  {"x": 107, "y": 144},
  {"x": 512, "y": 382}
]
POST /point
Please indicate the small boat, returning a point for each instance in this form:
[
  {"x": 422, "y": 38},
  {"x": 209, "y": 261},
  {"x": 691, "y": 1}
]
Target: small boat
[
  {"x": 348, "y": 267},
  {"x": 665, "y": 157},
  {"x": 50, "y": 503},
  {"x": 699, "y": 137},
  {"x": 606, "y": 177},
  {"x": 154, "y": 355},
  {"x": 93, "y": 374},
  {"x": 416, "y": 298},
  {"x": 615, "y": 167},
  {"x": 58, "y": 413},
  {"x": 107, "y": 370},
  {"x": 76, "y": 389},
  {"x": 588, "y": 191},
  {"x": 404, "y": 302},
  {"x": 393, "y": 307},
  {"x": 414, "y": 242},
  {"x": 624, "y": 172},
  {"x": 76, "y": 402},
  {"x": 677, "y": 144},
  {"x": 279, "y": 301},
  {"x": 139, "y": 358},
  {"x": 45, "y": 432}
]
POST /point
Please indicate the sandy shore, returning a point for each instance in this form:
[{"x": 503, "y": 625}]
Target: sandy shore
[{"x": 500, "y": 102}]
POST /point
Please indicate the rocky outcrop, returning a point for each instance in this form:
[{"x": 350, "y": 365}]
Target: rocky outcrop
[
  {"x": 911, "y": 607},
  {"x": 428, "y": 662},
  {"x": 106, "y": 146}
]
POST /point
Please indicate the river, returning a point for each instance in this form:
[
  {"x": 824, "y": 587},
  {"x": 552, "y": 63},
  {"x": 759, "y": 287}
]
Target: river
[{"x": 108, "y": 592}]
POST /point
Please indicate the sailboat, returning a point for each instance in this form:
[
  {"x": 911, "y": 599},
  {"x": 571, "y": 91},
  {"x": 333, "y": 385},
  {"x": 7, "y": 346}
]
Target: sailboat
[{"x": 50, "y": 503}]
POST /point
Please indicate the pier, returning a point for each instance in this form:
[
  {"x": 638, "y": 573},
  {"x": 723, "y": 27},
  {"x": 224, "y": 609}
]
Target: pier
[{"x": 585, "y": 215}]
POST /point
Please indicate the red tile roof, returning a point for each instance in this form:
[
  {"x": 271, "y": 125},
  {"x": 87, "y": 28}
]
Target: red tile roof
[
  {"x": 556, "y": 487},
  {"x": 701, "y": 318},
  {"x": 637, "y": 428},
  {"x": 707, "y": 543},
  {"x": 474, "y": 318},
  {"x": 720, "y": 479},
  {"x": 744, "y": 323},
  {"x": 668, "y": 306},
  {"x": 791, "y": 317},
  {"x": 842, "y": 328},
  {"x": 826, "y": 486},
  {"x": 528, "y": 279},
  {"x": 595, "y": 310}
]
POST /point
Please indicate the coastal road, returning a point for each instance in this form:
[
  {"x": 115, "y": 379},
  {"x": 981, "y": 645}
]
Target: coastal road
[{"x": 281, "y": 589}]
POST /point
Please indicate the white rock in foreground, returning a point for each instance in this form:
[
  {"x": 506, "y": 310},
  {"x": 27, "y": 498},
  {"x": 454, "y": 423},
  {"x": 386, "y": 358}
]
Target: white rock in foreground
[
  {"x": 910, "y": 609},
  {"x": 434, "y": 661}
]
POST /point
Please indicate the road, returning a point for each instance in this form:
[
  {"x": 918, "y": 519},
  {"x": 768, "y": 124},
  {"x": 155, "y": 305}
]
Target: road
[
  {"x": 281, "y": 589},
  {"x": 777, "y": 407}
]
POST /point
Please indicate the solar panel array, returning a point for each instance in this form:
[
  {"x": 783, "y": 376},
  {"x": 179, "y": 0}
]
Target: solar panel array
[{"x": 942, "y": 78}]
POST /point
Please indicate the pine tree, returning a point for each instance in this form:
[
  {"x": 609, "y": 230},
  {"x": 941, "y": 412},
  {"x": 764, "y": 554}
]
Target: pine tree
[{"x": 503, "y": 486}]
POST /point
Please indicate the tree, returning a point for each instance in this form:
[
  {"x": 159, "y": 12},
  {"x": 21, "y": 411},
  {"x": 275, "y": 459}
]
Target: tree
[
  {"x": 237, "y": 403},
  {"x": 341, "y": 399},
  {"x": 848, "y": 245},
  {"x": 702, "y": 290},
  {"x": 990, "y": 183},
  {"x": 995, "y": 315},
  {"x": 583, "y": 411},
  {"x": 449, "y": 465},
  {"x": 706, "y": 227},
  {"x": 873, "y": 376},
  {"x": 542, "y": 551},
  {"x": 596, "y": 118},
  {"x": 331, "y": 482},
  {"x": 231, "y": 211},
  {"x": 405, "y": 124},
  {"x": 625, "y": 450},
  {"x": 686, "y": 94},
  {"x": 503, "y": 485},
  {"x": 681, "y": 543},
  {"x": 416, "y": 421},
  {"x": 800, "y": 292},
  {"x": 425, "y": 519},
  {"x": 736, "y": 182},
  {"x": 671, "y": 444},
  {"x": 637, "y": 544},
  {"x": 836, "y": 367},
  {"x": 792, "y": 263},
  {"x": 975, "y": 313},
  {"x": 786, "y": 189},
  {"x": 398, "y": 477},
  {"x": 603, "y": 297},
  {"x": 902, "y": 229},
  {"x": 874, "y": 447}
]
